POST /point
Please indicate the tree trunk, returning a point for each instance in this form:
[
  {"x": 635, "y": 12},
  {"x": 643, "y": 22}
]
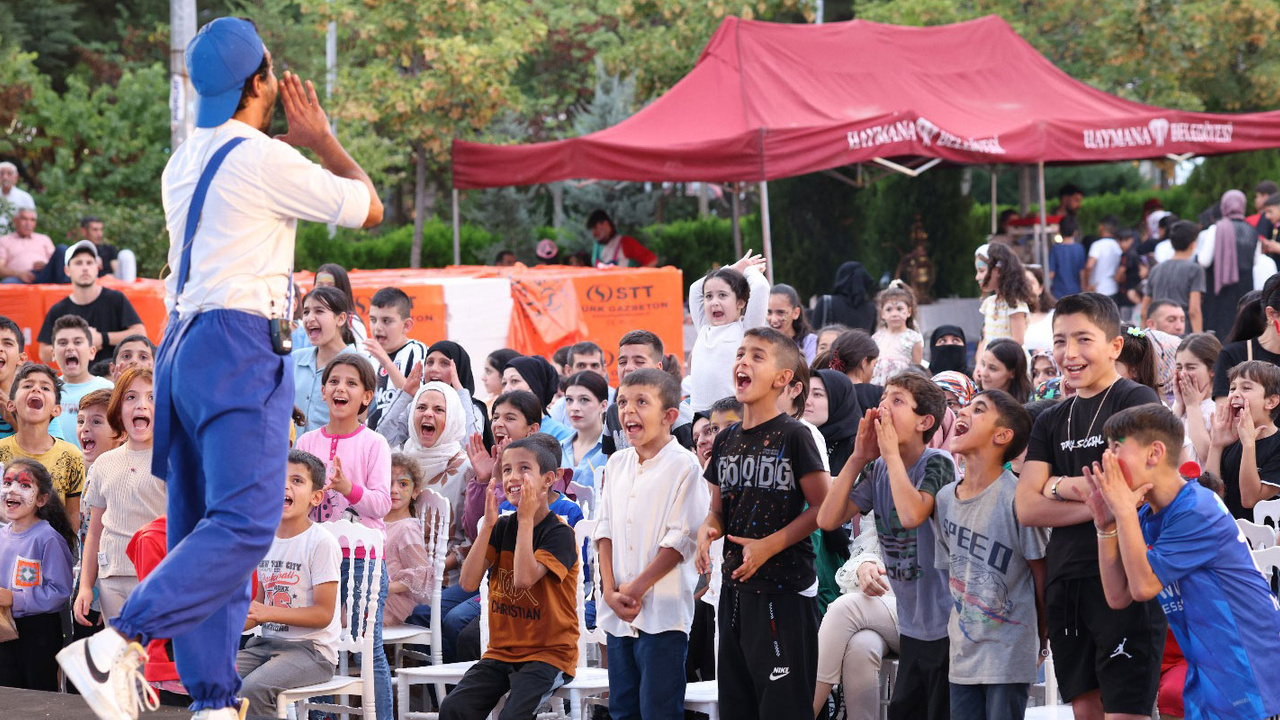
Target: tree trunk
[
  {"x": 419, "y": 204},
  {"x": 704, "y": 200}
]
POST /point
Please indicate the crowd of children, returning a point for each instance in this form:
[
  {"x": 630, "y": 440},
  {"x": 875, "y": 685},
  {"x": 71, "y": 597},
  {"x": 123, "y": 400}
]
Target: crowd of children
[{"x": 806, "y": 503}]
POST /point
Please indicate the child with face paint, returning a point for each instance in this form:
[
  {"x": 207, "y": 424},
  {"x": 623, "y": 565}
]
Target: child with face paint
[
  {"x": 122, "y": 496},
  {"x": 35, "y": 574}
]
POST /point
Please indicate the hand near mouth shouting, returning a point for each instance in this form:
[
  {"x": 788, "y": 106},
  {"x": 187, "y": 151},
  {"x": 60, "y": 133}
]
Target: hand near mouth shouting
[
  {"x": 533, "y": 496},
  {"x": 1223, "y": 432},
  {"x": 1245, "y": 427},
  {"x": 338, "y": 480}
]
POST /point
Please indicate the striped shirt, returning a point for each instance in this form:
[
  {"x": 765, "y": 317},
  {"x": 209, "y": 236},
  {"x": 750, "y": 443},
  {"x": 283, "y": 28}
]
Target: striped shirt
[{"x": 121, "y": 483}]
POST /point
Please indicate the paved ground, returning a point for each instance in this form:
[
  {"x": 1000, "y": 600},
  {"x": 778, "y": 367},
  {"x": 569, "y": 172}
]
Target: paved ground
[{"x": 34, "y": 704}]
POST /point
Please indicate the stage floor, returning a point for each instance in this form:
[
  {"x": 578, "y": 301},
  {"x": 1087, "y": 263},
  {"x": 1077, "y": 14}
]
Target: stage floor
[{"x": 33, "y": 704}]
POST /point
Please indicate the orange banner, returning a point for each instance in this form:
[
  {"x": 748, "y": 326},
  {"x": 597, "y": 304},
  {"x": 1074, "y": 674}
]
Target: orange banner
[{"x": 554, "y": 306}]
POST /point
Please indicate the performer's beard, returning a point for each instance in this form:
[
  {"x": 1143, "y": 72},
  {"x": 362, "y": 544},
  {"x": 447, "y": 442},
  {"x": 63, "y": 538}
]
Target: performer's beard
[{"x": 266, "y": 121}]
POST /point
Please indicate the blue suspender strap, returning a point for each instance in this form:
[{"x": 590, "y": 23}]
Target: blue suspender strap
[{"x": 197, "y": 206}]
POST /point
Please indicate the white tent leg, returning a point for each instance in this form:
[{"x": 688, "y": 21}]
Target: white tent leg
[
  {"x": 764, "y": 229},
  {"x": 1042, "y": 244},
  {"x": 457, "y": 231},
  {"x": 737, "y": 219},
  {"x": 994, "y": 220}
]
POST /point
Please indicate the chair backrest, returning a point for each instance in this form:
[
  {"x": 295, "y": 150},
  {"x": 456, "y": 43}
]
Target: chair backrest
[
  {"x": 1268, "y": 561},
  {"x": 716, "y": 555},
  {"x": 1258, "y": 536},
  {"x": 585, "y": 497},
  {"x": 436, "y": 517},
  {"x": 582, "y": 533},
  {"x": 484, "y": 613},
  {"x": 1267, "y": 512},
  {"x": 366, "y": 574}
]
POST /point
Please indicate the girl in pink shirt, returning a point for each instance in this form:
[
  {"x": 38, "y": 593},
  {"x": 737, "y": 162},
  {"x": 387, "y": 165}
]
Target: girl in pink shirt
[
  {"x": 359, "y": 464},
  {"x": 358, "y": 459}
]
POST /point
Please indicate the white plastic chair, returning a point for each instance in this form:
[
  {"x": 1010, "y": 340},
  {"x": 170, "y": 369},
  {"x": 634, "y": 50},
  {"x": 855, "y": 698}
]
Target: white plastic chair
[
  {"x": 1053, "y": 709},
  {"x": 359, "y": 639},
  {"x": 1268, "y": 561},
  {"x": 1259, "y": 537},
  {"x": 587, "y": 681},
  {"x": 441, "y": 674},
  {"x": 585, "y": 496},
  {"x": 434, "y": 516},
  {"x": 1268, "y": 510},
  {"x": 704, "y": 696}
]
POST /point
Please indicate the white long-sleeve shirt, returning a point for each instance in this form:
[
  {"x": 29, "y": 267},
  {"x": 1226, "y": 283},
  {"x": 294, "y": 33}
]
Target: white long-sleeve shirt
[
  {"x": 644, "y": 507},
  {"x": 716, "y": 347}
]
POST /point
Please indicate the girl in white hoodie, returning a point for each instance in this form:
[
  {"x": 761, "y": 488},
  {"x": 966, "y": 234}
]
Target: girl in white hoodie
[{"x": 724, "y": 305}]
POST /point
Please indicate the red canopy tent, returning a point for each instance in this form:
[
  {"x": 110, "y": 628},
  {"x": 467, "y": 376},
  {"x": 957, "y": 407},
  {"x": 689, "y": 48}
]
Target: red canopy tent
[{"x": 768, "y": 100}]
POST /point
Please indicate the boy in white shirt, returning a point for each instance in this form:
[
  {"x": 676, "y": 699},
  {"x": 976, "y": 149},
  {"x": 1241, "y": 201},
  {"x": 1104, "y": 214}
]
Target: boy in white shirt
[
  {"x": 1104, "y": 259},
  {"x": 295, "y": 598},
  {"x": 652, "y": 505}
]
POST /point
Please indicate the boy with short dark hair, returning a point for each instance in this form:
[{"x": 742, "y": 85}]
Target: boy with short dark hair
[
  {"x": 35, "y": 399},
  {"x": 13, "y": 353},
  {"x": 390, "y": 319},
  {"x": 1106, "y": 660},
  {"x": 996, "y": 565},
  {"x": 768, "y": 482},
  {"x": 1180, "y": 279},
  {"x": 296, "y": 597},
  {"x": 73, "y": 350},
  {"x": 899, "y": 476},
  {"x": 652, "y": 506},
  {"x": 1244, "y": 446},
  {"x": 133, "y": 351},
  {"x": 533, "y": 597},
  {"x": 1183, "y": 550},
  {"x": 636, "y": 350}
]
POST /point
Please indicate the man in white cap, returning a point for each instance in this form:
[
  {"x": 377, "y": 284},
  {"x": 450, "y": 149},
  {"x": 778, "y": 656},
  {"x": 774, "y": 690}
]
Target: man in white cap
[
  {"x": 110, "y": 315},
  {"x": 223, "y": 391}
]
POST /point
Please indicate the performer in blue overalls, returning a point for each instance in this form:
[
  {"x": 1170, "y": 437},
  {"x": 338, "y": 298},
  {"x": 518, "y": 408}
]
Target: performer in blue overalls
[{"x": 232, "y": 197}]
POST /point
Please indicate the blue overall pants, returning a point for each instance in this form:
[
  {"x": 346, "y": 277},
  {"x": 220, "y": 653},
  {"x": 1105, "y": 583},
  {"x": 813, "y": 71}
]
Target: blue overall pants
[{"x": 223, "y": 399}]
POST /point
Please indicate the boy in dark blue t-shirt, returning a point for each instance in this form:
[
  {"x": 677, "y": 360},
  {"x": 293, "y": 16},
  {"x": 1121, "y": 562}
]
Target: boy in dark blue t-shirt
[{"x": 1183, "y": 548}]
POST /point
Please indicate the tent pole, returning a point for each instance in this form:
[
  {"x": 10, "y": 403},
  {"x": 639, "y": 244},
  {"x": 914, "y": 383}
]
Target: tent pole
[
  {"x": 737, "y": 221},
  {"x": 457, "y": 231},
  {"x": 765, "y": 230},
  {"x": 994, "y": 221},
  {"x": 1042, "y": 244}
]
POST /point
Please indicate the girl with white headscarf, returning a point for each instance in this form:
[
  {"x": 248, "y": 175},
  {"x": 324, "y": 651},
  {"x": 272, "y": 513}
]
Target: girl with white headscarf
[{"x": 437, "y": 430}]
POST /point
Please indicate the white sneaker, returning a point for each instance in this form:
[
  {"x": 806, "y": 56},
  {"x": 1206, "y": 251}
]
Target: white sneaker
[
  {"x": 227, "y": 713},
  {"x": 107, "y": 670}
]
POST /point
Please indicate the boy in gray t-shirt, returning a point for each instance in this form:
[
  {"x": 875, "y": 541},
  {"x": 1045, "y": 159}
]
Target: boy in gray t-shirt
[
  {"x": 996, "y": 565},
  {"x": 899, "y": 477}
]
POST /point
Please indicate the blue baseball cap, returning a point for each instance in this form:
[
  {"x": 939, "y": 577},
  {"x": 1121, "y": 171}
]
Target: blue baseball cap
[{"x": 224, "y": 54}]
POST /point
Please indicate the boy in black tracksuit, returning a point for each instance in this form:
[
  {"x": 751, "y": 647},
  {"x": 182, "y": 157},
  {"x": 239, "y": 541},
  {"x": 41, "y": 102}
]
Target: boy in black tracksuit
[{"x": 767, "y": 485}]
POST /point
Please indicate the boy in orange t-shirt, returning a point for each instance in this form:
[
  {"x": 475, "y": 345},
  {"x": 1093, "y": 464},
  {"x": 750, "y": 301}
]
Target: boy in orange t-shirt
[{"x": 533, "y": 597}]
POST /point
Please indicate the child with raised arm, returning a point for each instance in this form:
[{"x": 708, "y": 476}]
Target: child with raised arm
[
  {"x": 724, "y": 305},
  {"x": 768, "y": 482},
  {"x": 296, "y": 598},
  {"x": 649, "y": 514},
  {"x": 898, "y": 477},
  {"x": 996, "y": 565},
  {"x": 1107, "y": 661},
  {"x": 533, "y": 594},
  {"x": 1244, "y": 447},
  {"x": 1182, "y": 549}
]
